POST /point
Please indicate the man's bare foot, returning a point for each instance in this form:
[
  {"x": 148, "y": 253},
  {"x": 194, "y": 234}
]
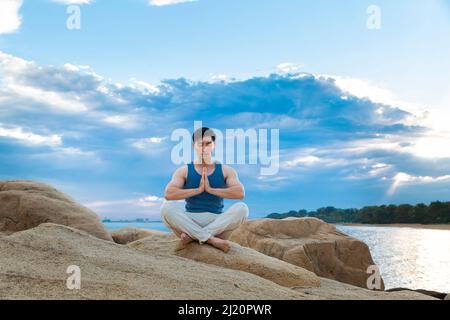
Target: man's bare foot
[
  {"x": 185, "y": 238},
  {"x": 221, "y": 244}
]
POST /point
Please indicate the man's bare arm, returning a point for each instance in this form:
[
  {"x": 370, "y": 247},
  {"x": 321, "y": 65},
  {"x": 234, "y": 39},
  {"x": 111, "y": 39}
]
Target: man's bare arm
[
  {"x": 234, "y": 188},
  {"x": 175, "y": 190}
]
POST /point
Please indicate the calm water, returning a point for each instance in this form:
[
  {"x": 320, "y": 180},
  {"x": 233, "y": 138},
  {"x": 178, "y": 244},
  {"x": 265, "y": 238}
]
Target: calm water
[
  {"x": 141, "y": 225},
  {"x": 407, "y": 257}
]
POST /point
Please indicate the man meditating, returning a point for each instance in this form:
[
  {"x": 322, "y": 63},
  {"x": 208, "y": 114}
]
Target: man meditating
[{"x": 204, "y": 184}]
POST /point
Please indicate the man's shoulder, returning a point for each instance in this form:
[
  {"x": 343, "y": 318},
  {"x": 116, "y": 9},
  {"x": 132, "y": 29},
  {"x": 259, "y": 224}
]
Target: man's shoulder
[
  {"x": 181, "y": 170},
  {"x": 227, "y": 170}
]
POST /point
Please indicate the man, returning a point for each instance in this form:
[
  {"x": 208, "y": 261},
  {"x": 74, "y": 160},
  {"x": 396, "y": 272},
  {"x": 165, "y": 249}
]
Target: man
[{"x": 204, "y": 184}]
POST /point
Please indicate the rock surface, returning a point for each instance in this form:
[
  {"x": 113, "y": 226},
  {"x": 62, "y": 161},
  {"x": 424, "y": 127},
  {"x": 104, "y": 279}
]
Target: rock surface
[
  {"x": 127, "y": 235},
  {"x": 34, "y": 266},
  {"x": 238, "y": 258},
  {"x": 434, "y": 294},
  {"x": 309, "y": 243},
  {"x": 335, "y": 290},
  {"x": 26, "y": 204}
]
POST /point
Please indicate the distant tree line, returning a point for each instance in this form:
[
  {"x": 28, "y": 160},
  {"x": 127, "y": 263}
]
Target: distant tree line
[{"x": 435, "y": 213}]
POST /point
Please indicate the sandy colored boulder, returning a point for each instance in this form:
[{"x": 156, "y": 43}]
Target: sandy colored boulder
[
  {"x": 26, "y": 204},
  {"x": 334, "y": 290},
  {"x": 431, "y": 293},
  {"x": 309, "y": 243},
  {"x": 127, "y": 235},
  {"x": 238, "y": 258},
  {"x": 34, "y": 264}
]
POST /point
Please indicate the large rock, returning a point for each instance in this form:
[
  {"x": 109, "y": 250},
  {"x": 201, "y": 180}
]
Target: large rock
[
  {"x": 309, "y": 243},
  {"x": 334, "y": 290},
  {"x": 238, "y": 258},
  {"x": 34, "y": 264},
  {"x": 434, "y": 294},
  {"x": 27, "y": 204}
]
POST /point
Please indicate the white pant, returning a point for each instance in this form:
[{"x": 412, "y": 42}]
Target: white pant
[{"x": 203, "y": 225}]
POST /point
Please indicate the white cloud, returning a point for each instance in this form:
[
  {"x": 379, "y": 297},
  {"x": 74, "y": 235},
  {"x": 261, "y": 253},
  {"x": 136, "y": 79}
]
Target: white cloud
[
  {"x": 52, "y": 99},
  {"x": 438, "y": 117},
  {"x": 288, "y": 67},
  {"x": 323, "y": 157},
  {"x": 145, "y": 206},
  {"x": 54, "y": 141},
  {"x": 363, "y": 158},
  {"x": 430, "y": 144},
  {"x": 345, "y": 135},
  {"x": 218, "y": 77},
  {"x": 322, "y": 162},
  {"x": 30, "y": 138},
  {"x": 378, "y": 168},
  {"x": 152, "y": 146},
  {"x": 362, "y": 88},
  {"x": 402, "y": 178},
  {"x": 168, "y": 2},
  {"x": 302, "y": 161},
  {"x": 266, "y": 120},
  {"x": 143, "y": 86},
  {"x": 71, "y": 67},
  {"x": 433, "y": 145},
  {"x": 73, "y": 151},
  {"x": 14, "y": 70},
  {"x": 71, "y": 90},
  {"x": 149, "y": 201},
  {"x": 145, "y": 201},
  {"x": 11, "y": 65},
  {"x": 122, "y": 121},
  {"x": 147, "y": 143},
  {"x": 10, "y": 19}
]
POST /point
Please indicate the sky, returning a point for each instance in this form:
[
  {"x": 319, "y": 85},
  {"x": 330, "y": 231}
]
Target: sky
[{"x": 362, "y": 112}]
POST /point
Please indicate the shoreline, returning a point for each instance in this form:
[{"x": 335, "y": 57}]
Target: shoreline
[{"x": 399, "y": 225}]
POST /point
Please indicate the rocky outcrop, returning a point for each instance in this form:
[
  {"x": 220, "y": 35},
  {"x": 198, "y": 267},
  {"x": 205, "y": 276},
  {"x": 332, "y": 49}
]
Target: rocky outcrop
[
  {"x": 309, "y": 243},
  {"x": 335, "y": 290},
  {"x": 34, "y": 265},
  {"x": 238, "y": 258},
  {"x": 434, "y": 294},
  {"x": 27, "y": 204}
]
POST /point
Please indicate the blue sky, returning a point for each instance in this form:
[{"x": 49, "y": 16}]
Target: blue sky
[{"x": 362, "y": 113}]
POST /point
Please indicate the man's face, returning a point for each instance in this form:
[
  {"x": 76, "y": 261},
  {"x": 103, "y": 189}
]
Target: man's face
[{"x": 204, "y": 147}]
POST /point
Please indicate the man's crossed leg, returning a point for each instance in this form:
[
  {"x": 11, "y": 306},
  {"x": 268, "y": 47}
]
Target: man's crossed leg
[{"x": 204, "y": 227}]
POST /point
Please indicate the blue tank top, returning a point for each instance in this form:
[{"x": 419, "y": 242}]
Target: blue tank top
[{"x": 204, "y": 201}]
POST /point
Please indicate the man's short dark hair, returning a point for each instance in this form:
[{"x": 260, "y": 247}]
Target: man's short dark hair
[{"x": 203, "y": 132}]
